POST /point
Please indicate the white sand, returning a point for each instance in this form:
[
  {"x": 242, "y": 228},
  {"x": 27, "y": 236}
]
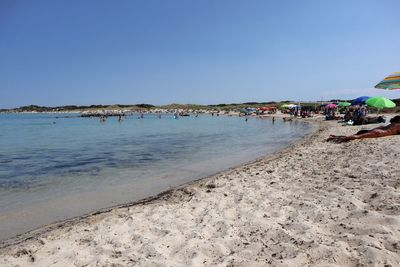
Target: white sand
[{"x": 314, "y": 204}]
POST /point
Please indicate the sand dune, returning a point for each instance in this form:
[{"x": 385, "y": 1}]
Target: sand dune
[{"x": 313, "y": 204}]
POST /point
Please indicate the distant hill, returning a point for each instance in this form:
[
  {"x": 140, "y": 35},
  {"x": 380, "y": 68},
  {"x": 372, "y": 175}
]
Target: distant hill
[
  {"x": 222, "y": 106},
  {"x": 71, "y": 108}
]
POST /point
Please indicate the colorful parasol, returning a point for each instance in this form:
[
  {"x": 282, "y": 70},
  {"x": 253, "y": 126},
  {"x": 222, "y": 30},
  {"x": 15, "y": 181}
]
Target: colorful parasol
[
  {"x": 360, "y": 100},
  {"x": 380, "y": 102},
  {"x": 330, "y": 106},
  {"x": 391, "y": 82},
  {"x": 344, "y": 104}
]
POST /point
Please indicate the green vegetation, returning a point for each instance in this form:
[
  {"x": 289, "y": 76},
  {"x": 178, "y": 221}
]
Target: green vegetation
[
  {"x": 222, "y": 107},
  {"x": 74, "y": 108},
  {"x": 143, "y": 106}
]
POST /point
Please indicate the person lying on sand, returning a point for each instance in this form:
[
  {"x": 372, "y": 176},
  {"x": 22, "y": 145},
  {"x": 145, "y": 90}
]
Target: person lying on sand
[{"x": 392, "y": 129}]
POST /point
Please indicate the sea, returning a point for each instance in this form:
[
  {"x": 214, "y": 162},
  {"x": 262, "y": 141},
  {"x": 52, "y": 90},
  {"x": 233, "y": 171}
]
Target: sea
[{"x": 58, "y": 166}]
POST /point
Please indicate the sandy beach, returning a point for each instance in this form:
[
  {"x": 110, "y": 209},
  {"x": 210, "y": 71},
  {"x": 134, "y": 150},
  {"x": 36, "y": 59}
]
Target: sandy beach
[{"x": 313, "y": 204}]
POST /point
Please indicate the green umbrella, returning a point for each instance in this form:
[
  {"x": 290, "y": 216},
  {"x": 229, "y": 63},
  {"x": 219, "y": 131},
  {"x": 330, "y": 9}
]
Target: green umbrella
[
  {"x": 380, "y": 102},
  {"x": 344, "y": 104},
  {"x": 285, "y": 106}
]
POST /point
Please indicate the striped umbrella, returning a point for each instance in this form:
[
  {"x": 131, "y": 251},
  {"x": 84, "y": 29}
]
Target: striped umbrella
[{"x": 390, "y": 82}]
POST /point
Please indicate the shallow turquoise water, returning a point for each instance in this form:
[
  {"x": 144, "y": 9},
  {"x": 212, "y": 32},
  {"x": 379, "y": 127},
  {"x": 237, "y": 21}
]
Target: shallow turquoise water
[{"x": 57, "y": 166}]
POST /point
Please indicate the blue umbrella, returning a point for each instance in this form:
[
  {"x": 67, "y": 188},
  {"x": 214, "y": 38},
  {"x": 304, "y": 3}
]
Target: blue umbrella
[{"x": 360, "y": 100}]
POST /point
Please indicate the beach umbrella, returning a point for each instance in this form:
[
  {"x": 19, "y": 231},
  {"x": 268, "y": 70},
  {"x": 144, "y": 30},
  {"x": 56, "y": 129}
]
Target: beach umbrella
[
  {"x": 330, "y": 106},
  {"x": 390, "y": 82},
  {"x": 285, "y": 106},
  {"x": 380, "y": 102},
  {"x": 344, "y": 104},
  {"x": 360, "y": 100}
]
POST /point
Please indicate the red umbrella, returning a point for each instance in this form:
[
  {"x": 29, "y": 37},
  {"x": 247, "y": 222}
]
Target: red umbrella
[{"x": 266, "y": 108}]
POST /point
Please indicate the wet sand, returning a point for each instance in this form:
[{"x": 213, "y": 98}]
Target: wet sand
[{"x": 313, "y": 204}]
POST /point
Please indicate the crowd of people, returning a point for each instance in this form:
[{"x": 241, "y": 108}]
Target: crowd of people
[
  {"x": 353, "y": 115},
  {"x": 356, "y": 115}
]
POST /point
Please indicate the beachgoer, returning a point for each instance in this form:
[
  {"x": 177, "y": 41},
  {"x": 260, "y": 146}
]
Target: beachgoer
[
  {"x": 287, "y": 119},
  {"x": 363, "y": 111},
  {"x": 273, "y": 119},
  {"x": 348, "y": 115},
  {"x": 246, "y": 119},
  {"x": 392, "y": 129}
]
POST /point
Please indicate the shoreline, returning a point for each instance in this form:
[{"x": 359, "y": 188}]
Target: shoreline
[
  {"x": 312, "y": 203},
  {"x": 38, "y": 205},
  {"x": 37, "y": 232}
]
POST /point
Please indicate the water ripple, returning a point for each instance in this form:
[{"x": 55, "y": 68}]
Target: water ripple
[{"x": 83, "y": 149}]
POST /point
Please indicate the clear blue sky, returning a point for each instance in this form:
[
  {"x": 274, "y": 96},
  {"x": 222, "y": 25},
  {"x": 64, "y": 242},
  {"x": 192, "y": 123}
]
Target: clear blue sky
[{"x": 206, "y": 51}]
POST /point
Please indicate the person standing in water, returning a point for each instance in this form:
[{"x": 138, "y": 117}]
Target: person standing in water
[{"x": 102, "y": 119}]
